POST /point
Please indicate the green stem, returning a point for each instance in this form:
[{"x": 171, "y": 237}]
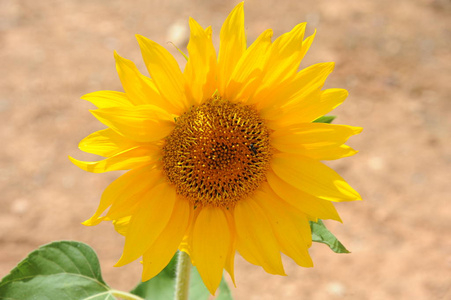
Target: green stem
[
  {"x": 125, "y": 295},
  {"x": 182, "y": 276}
]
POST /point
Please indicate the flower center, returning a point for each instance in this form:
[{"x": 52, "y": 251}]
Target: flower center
[{"x": 218, "y": 153}]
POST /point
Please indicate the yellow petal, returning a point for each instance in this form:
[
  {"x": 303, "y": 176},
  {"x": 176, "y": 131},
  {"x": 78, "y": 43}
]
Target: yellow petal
[
  {"x": 308, "y": 204},
  {"x": 160, "y": 253},
  {"x": 330, "y": 153},
  {"x": 285, "y": 55},
  {"x": 247, "y": 73},
  {"x": 106, "y": 143},
  {"x": 121, "y": 225},
  {"x": 144, "y": 123},
  {"x": 140, "y": 89},
  {"x": 211, "y": 244},
  {"x": 255, "y": 238},
  {"x": 186, "y": 244},
  {"x": 307, "y": 109},
  {"x": 122, "y": 188},
  {"x": 291, "y": 228},
  {"x": 200, "y": 70},
  {"x": 299, "y": 91},
  {"x": 165, "y": 72},
  {"x": 125, "y": 160},
  {"x": 312, "y": 177},
  {"x": 306, "y": 45},
  {"x": 230, "y": 260},
  {"x": 103, "y": 99},
  {"x": 283, "y": 61},
  {"x": 148, "y": 222},
  {"x": 310, "y": 79},
  {"x": 128, "y": 198},
  {"x": 328, "y": 100},
  {"x": 232, "y": 45},
  {"x": 315, "y": 140}
]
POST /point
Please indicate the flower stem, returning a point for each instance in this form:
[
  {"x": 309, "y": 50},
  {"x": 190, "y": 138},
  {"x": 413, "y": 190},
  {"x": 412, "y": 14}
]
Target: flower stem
[
  {"x": 182, "y": 276},
  {"x": 125, "y": 295}
]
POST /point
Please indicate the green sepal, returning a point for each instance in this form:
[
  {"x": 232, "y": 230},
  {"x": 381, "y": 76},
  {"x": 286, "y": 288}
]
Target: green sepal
[
  {"x": 325, "y": 119},
  {"x": 59, "y": 270},
  {"x": 180, "y": 51},
  {"x": 321, "y": 234}
]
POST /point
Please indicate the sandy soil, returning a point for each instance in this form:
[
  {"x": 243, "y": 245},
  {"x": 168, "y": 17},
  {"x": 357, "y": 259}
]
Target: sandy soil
[{"x": 393, "y": 57}]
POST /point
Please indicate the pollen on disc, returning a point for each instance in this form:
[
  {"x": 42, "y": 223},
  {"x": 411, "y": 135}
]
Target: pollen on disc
[{"x": 218, "y": 153}]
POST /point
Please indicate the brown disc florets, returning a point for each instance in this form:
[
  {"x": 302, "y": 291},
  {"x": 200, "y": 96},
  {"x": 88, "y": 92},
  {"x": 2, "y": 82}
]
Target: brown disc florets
[{"x": 218, "y": 153}]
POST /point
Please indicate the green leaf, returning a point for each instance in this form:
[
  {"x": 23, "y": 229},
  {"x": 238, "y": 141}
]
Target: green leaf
[
  {"x": 321, "y": 234},
  {"x": 198, "y": 290},
  {"x": 162, "y": 286},
  {"x": 325, "y": 119},
  {"x": 224, "y": 291},
  {"x": 59, "y": 270}
]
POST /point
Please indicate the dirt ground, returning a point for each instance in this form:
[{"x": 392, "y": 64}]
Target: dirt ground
[{"x": 394, "y": 58}]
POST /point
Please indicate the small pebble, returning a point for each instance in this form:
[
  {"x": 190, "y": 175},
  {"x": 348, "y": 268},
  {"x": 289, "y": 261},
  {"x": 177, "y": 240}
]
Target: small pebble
[
  {"x": 336, "y": 289},
  {"x": 178, "y": 34},
  {"x": 19, "y": 206},
  {"x": 376, "y": 163}
]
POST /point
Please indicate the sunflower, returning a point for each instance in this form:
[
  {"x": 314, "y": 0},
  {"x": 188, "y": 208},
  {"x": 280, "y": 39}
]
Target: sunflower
[{"x": 222, "y": 157}]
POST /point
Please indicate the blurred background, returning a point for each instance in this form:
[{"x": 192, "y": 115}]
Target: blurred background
[{"x": 394, "y": 58}]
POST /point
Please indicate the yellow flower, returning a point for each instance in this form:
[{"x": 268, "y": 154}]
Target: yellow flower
[{"x": 223, "y": 157}]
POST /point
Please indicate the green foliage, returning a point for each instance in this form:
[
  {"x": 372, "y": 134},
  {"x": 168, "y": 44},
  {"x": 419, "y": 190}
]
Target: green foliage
[
  {"x": 321, "y": 234},
  {"x": 59, "y": 270},
  {"x": 325, "y": 119},
  {"x": 162, "y": 286},
  {"x": 198, "y": 290},
  {"x": 71, "y": 270},
  {"x": 224, "y": 291}
]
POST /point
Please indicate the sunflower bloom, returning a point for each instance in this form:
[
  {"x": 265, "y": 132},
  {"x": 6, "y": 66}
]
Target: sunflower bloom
[{"x": 222, "y": 157}]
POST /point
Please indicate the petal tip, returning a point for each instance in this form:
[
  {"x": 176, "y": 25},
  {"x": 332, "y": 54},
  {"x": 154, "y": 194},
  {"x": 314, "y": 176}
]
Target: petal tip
[
  {"x": 122, "y": 261},
  {"x": 331, "y": 65},
  {"x": 85, "y": 96},
  {"x": 268, "y": 33},
  {"x": 139, "y": 37},
  {"x": 94, "y": 112},
  {"x": 91, "y": 222},
  {"x": 76, "y": 162},
  {"x": 145, "y": 277},
  {"x": 81, "y": 164},
  {"x": 358, "y": 130},
  {"x": 238, "y": 10},
  {"x": 142, "y": 40}
]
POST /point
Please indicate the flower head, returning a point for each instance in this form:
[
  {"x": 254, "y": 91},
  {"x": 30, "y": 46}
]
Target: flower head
[{"x": 223, "y": 157}]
